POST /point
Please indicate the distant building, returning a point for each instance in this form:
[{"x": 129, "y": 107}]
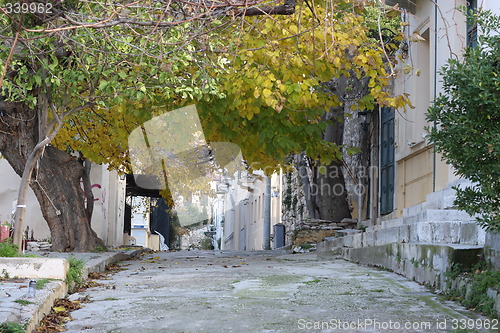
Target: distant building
[{"x": 241, "y": 224}]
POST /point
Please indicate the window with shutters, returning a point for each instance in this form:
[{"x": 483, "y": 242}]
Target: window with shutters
[
  {"x": 471, "y": 24},
  {"x": 387, "y": 160}
]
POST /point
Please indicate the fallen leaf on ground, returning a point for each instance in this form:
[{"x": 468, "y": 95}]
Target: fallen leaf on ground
[
  {"x": 98, "y": 276},
  {"x": 58, "y": 316}
]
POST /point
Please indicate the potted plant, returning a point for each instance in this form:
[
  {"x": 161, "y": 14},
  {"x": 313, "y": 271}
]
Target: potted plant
[{"x": 4, "y": 231}]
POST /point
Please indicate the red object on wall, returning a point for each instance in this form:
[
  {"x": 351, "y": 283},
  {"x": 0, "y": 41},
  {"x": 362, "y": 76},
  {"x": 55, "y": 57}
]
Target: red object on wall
[{"x": 4, "y": 232}]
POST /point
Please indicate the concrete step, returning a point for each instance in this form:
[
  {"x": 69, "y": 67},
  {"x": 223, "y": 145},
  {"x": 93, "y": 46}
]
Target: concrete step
[
  {"x": 393, "y": 223},
  {"x": 437, "y": 215},
  {"x": 443, "y": 199},
  {"x": 344, "y": 232},
  {"x": 436, "y": 198},
  {"x": 449, "y": 232}
]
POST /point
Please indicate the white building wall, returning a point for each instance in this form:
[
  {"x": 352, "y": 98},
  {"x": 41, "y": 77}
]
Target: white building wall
[
  {"x": 244, "y": 210},
  {"x": 9, "y": 189},
  {"x": 109, "y": 204},
  {"x": 435, "y": 34},
  {"x": 443, "y": 27}
]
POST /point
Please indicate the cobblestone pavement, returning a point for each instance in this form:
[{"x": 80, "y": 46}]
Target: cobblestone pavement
[{"x": 214, "y": 291}]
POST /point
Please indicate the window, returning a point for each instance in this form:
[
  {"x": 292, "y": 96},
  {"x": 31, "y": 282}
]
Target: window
[
  {"x": 387, "y": 159},
  {"x": 471, "y": 23}
]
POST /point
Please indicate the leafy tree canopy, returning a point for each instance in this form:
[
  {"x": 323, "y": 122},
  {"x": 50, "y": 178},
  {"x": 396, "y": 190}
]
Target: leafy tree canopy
[
  {"x": 259, "y": 83},
  {"x": 99, "y": 69}
]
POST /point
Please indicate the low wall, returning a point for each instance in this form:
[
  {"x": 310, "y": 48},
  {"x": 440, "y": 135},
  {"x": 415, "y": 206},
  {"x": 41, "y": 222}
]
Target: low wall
[
  {"x": 492, "y": 250},
  {"x": 35, "y": 268},
  {"x": 424, "y": 263}
]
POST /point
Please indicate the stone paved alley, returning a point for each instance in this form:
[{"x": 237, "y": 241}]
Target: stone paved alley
[{"x": 213, "y": 291}]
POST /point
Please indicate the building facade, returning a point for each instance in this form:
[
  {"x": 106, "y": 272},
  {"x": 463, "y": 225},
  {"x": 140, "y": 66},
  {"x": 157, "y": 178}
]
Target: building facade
[
  {"x": 415, "y": 229},
  {"x": 243, "y": 219}
]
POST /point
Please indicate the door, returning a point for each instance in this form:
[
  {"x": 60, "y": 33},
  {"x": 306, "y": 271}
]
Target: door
[{"x": 387, "y": 160}]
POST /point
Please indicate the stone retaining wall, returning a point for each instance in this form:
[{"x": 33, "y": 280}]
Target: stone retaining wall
[{"x": 492, "y": 250}]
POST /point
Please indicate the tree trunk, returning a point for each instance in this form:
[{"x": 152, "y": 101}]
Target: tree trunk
[
  {"x": 55, "y": 180},
  {"x": 332, "y": 198},
  {"x": 309, "y": 195},
  {"x": 87, "y": 187}
]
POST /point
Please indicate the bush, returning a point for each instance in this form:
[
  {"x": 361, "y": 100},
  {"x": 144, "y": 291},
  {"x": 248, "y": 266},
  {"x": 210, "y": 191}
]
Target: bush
[
  {"x": 75, "y": 271},
  {"x": 479, "y": 300},
  {"x": 7, "y": 249},
  {"x": 11, "y": 327},
  {"x": 467, "y": 123}
]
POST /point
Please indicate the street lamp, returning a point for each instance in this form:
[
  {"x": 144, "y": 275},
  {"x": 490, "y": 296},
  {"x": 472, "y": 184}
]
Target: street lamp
[{"x": 365, "y": 118}]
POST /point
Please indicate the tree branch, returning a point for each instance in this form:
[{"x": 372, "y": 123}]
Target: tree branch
[{"x": 288, "y": 8}]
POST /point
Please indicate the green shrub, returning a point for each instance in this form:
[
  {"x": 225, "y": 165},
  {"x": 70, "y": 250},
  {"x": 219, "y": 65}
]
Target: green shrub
[
  {"x": 100, "y": 249},
  {"x": 206, "y": 244},
  {"x": 41, "y": 283},
  {"x": 475, "y": 296},
  {"x": 23, "y": 302},
  {"x": 11, "y": 327},
  {"x": 75, "y": 271},
  {"x": 479, "y": 300},
  {"x": 7, "y": 249}
]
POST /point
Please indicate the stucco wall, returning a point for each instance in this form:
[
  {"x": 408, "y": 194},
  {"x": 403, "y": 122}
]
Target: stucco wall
[
  {"x": 421, "y": 171},
  {"x": 9, "y": 187},
  {"x": 109, "y": 204}
]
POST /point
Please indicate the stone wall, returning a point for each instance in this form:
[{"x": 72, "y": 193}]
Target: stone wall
[
  {"x": 492, "y": 250},
  {"x": 195, "y": 239},
  {"x": 300, "y": 228}
]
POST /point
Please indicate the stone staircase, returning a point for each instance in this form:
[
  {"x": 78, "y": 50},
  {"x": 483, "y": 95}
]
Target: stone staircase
[{"x": 423, "y": 244}]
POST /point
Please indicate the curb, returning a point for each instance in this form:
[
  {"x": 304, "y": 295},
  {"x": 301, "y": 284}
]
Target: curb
[
  {"x": 44, "y": 307},
  {"x": 60, "y": 288},
  {"x": 99, "y": 264}
]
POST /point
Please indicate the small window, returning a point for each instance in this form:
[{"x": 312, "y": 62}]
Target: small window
[{"x": 471, "y": 23}]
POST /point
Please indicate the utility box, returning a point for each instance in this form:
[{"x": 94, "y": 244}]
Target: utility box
[{"x": 279, "y": 235}]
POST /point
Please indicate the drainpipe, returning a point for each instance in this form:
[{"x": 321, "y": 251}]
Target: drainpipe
[
  {"x": 267, "y": 216},
  {"x": 435, "y": 90}
]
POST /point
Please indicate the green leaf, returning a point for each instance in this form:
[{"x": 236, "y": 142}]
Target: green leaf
[{"x": 103, "y": 84}]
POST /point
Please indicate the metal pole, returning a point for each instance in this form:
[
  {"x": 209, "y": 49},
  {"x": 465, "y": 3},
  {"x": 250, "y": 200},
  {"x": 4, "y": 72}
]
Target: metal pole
[{"x": 267, "y": 216}]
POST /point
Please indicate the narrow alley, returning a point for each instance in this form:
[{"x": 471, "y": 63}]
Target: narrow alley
[{"x": 263, "y": 291}]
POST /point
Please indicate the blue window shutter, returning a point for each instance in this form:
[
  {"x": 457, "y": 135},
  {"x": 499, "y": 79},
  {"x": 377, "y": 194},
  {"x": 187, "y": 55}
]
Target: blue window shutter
[{"x": 387, "y": 163}]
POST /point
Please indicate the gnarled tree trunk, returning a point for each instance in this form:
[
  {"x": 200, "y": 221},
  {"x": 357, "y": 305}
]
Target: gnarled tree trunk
[
  {"x": 332, "y": 201},
  {"x": 324, "y": 185},
  {"x": 55, "y": 180}
]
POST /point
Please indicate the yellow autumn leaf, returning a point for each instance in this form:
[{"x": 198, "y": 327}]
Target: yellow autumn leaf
[
  {"x": 256, "y": 92},
  {"x": 59, "y": 309},
  {"x": 266, "y": 93},
  {"x": 407, "y": 69}
]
